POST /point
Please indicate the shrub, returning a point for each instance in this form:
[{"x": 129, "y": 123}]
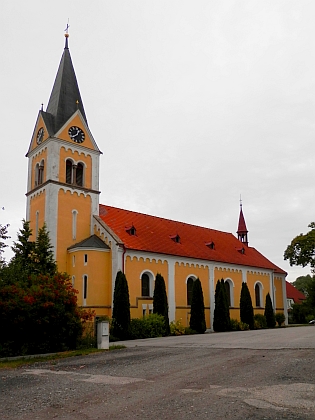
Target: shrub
[
  {"x": 280, "y": 318},
  {"x": 160, "y": 304},
  {"x": 197, "y": 317},
  {"x": 260, "y": 321},
  {"x": 246, "y": 307},
  {"x": 121, "y": 308},
  {"x": 177, "y": 328},
  {"x": 39, "y": 314},
  {"x": 244, "y": 326},
  {"x": 269, "y": 313},
  {"x": 149, "y": 326},
  {"x": 238, "y": 325},
  {"x": 235, "y": 325}
]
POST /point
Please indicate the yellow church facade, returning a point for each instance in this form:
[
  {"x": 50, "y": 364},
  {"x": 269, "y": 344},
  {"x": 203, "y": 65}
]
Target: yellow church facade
[{"x": 92, "y": 242}]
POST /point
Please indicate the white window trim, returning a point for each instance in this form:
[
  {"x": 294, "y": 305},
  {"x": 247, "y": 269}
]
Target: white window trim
[
  {"x": 231, "y": 283},
  {"x": 261, "y": 288},
  {"x": 151, "y": 281}
]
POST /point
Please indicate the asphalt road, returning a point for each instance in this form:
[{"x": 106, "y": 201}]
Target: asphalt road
[{"x": 265, "y": 374}]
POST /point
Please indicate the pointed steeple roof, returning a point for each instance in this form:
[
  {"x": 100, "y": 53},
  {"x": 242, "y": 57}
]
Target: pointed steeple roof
[
  {"x": 65, "y": 97},
  {"x": 241, "y": 223},
  {"x": 242, "y": 229}
]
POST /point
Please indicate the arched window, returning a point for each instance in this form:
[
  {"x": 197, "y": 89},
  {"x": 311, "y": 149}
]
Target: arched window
[
  {"x": 39, "y": 173},
  {"x": 228, "y": 291},
  {"x": 69, "y": 175},
  {"x": 79, "y": 175},
  {"x": 145, "y": 285},
  {"x": 229, "y": 287},
  {"x": 258, "y": 294},
  {"x": 190, "y": 283}
]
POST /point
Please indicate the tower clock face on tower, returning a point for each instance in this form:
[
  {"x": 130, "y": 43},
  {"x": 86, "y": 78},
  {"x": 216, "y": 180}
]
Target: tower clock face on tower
[
  {"x": 40, "y": 135},
  {"x": 76, "y": 134}
]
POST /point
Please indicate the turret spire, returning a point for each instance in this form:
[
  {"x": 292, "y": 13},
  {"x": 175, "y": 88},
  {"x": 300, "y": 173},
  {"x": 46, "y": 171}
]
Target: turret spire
[
  {"x": 65, "y": 98},
  {"x": 242, "y": 229}
]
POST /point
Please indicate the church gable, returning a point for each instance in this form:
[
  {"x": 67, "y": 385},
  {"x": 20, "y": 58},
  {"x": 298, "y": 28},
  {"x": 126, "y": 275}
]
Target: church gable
[
  {"x": 41, "y": 132},
  {"x": 76, "y": 132}
]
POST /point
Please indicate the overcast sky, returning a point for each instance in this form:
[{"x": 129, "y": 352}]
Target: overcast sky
[{"x": 191, "y": 102}]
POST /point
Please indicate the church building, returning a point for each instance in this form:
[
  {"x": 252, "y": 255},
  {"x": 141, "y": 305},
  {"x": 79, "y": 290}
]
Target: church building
[{"x": 93, "y": 241}]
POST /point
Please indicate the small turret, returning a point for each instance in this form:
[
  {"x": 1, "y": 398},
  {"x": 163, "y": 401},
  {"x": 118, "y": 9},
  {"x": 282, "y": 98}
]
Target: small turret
[{"x": 242, "y": 229}]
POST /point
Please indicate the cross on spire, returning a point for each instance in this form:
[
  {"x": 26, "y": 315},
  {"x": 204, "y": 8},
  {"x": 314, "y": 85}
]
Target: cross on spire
[{"x": 67, "y": 34}]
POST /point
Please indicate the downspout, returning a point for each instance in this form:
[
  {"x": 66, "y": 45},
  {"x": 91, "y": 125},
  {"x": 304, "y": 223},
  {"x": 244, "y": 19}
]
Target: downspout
[
  {"x": 273, "y": 290},
  {"x": 123, "y": 259}
]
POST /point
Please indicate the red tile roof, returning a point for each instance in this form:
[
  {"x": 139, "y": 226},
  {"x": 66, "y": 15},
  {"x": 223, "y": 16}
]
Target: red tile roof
[
  {"x": 294, "y": 293},
  {"x": 154, "y": 234}
]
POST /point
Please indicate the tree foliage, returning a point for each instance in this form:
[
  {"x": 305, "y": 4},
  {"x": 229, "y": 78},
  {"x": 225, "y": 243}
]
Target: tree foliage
[
  {"x": 302, "y": 283},
  {"x": 38, "y": 305},
  {"x": 33, "y": 256},
  {"x": 221, "y": 319},
  {"x": 160, "y": 304},
  {"x": 246, "y": 307},
  {"x": 3, "y": 237},
  {"x": 197, "y": 311},
  {"x": 121, "y": 308},
  {"x": 39, "y": 314},
  {"x": 269, "y": 312},
  {"x": 301, "y": 251}
]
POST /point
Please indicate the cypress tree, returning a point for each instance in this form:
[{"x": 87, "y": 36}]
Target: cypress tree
[
  {"x": 160, "y": 304},
  {"x": 197, "y": 317},
  {"x": 221, "y": 321},
  {"x": 246, "y": 307},
  {"x": 121, "y": 308},
  {"x": 269, "y": 313},
  {"x": 226, "y": 304}
]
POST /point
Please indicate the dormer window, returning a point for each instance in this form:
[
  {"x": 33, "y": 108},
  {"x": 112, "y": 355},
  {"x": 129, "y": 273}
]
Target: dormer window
[
  {"x": 175, "y": 238},
  {"x": 210, "y": 244},
  {"x": 131, "y": 230},
  {"x": 241, "y": 250}
]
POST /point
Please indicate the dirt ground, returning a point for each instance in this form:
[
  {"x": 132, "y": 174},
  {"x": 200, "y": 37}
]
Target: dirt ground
[{"x": 200, "y": 377}]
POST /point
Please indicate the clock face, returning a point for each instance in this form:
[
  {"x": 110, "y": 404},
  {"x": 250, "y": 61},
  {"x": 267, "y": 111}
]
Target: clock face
[
  {"x": 76, "y": 134},
  {"x": 40, "y": 135}
]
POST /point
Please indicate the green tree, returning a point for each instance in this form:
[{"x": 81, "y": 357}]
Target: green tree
[
  {"x": 302, "y": 283},
  {"x": 301, "y": 251},
  {"x": 221, "y": 319},
  {"x": 197, "y": 317},
  {"x": 121, "y": 308},
  {"x": 44, "y": 256},
  {"x": 3, "y": 237},
  {"x": 24, "y": 250},
  {"x": 160, "y": 304},
  {"x": 246, "y": 307},
  {"x": 269, "y": 313}
]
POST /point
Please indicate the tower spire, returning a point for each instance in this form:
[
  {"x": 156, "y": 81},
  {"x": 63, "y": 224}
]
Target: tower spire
[
  {"x": 242, "y": 229},
  {"x": 65, "y": 98}
]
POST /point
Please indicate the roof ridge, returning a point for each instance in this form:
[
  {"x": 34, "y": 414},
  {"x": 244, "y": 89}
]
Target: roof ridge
[{"x": 167, "y": 219}]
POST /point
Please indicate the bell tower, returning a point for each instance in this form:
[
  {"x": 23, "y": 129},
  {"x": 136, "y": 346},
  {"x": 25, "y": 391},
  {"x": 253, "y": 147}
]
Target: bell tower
[
  {"x": 242, "y": 232},
  {"x": 63, "y": 166}
]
